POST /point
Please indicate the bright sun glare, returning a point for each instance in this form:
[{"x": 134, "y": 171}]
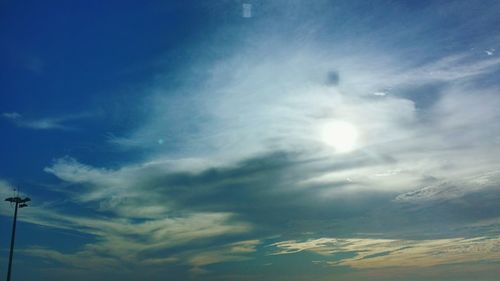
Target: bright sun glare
[{"x": 341, "y": 135}]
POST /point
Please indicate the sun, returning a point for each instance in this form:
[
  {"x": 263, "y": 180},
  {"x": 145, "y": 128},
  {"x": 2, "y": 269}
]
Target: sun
[{"x": 341, "y": 135}]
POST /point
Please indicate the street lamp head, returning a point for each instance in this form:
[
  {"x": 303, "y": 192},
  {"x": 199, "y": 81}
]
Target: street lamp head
[{"x": 18, "y": 200}]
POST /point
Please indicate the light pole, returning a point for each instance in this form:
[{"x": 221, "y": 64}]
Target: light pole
[{"x": 20, "y": 203}]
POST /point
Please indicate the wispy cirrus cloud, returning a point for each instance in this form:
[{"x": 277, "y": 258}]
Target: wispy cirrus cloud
[
  {"x": 118, "y": 243},
  {"x": 384, "y": 253},
  {"x": 232, "y": 252},
  {"x": 56, "y": 123},
  {"x": 136, "y": 226},
  {"x": 197, "y": 260},
  {"x": 452, "y": 190}
]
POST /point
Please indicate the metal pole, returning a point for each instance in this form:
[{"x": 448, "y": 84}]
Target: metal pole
[
  {"x": 12, "y": 242},
  {"x": 18, "y": 201}
]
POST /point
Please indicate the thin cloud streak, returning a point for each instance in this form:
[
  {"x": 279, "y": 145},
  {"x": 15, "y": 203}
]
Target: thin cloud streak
[
  {"x": 384, "y": 253},
  {"x": 59, "y": 123}
]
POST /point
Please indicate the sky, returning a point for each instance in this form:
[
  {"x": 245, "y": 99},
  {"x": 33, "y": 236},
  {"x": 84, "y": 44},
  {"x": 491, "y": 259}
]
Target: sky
[{"x": 251, "y": 140}]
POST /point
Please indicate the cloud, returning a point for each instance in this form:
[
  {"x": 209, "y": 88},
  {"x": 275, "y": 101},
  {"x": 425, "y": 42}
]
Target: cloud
[
  {"x": 451, "y": 190},
  {"x": 197, "y": 260},
  {"x": 257, "y": 189},
  {"x": 228, "y": 253},
  {"x": 255, "y": 153},
  {"x": 44, "y": 123},
  {"x": 490, "y": 52},
  {"x": 280, "y": 103},
  {"x": 11, "y": 115},
  {"x": 387, "y": 253},
  {"x": 132, "y": 224},
  {"x": 123, "y": 241},
  {"x": 245, "y": 198},
  {"x": 135, "y": 234},
  {"x": 451, "y": 68}
]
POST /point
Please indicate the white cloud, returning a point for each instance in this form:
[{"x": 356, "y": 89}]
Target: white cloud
[
  {"x": 387, "y": 253},
  {"x": 11, "y": 115},
  {"x": 227, "y": 253},
  {"x": 252, "y": 103},
  {"x": 121, "y": 240},
  {"x": 452, "y": 189},
  {"x": 451, "y": 68},
  {"x": 127, "y": 223},
  {"x": 58, "y": 123}
]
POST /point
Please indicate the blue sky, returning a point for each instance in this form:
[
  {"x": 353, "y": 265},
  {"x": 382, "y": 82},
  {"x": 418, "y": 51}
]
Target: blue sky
[{"x": 280, "y": 140}]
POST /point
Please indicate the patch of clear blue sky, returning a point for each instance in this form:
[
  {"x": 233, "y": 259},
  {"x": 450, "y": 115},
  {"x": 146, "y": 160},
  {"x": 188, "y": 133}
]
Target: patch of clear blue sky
[{"x": 90, "y": 55}]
